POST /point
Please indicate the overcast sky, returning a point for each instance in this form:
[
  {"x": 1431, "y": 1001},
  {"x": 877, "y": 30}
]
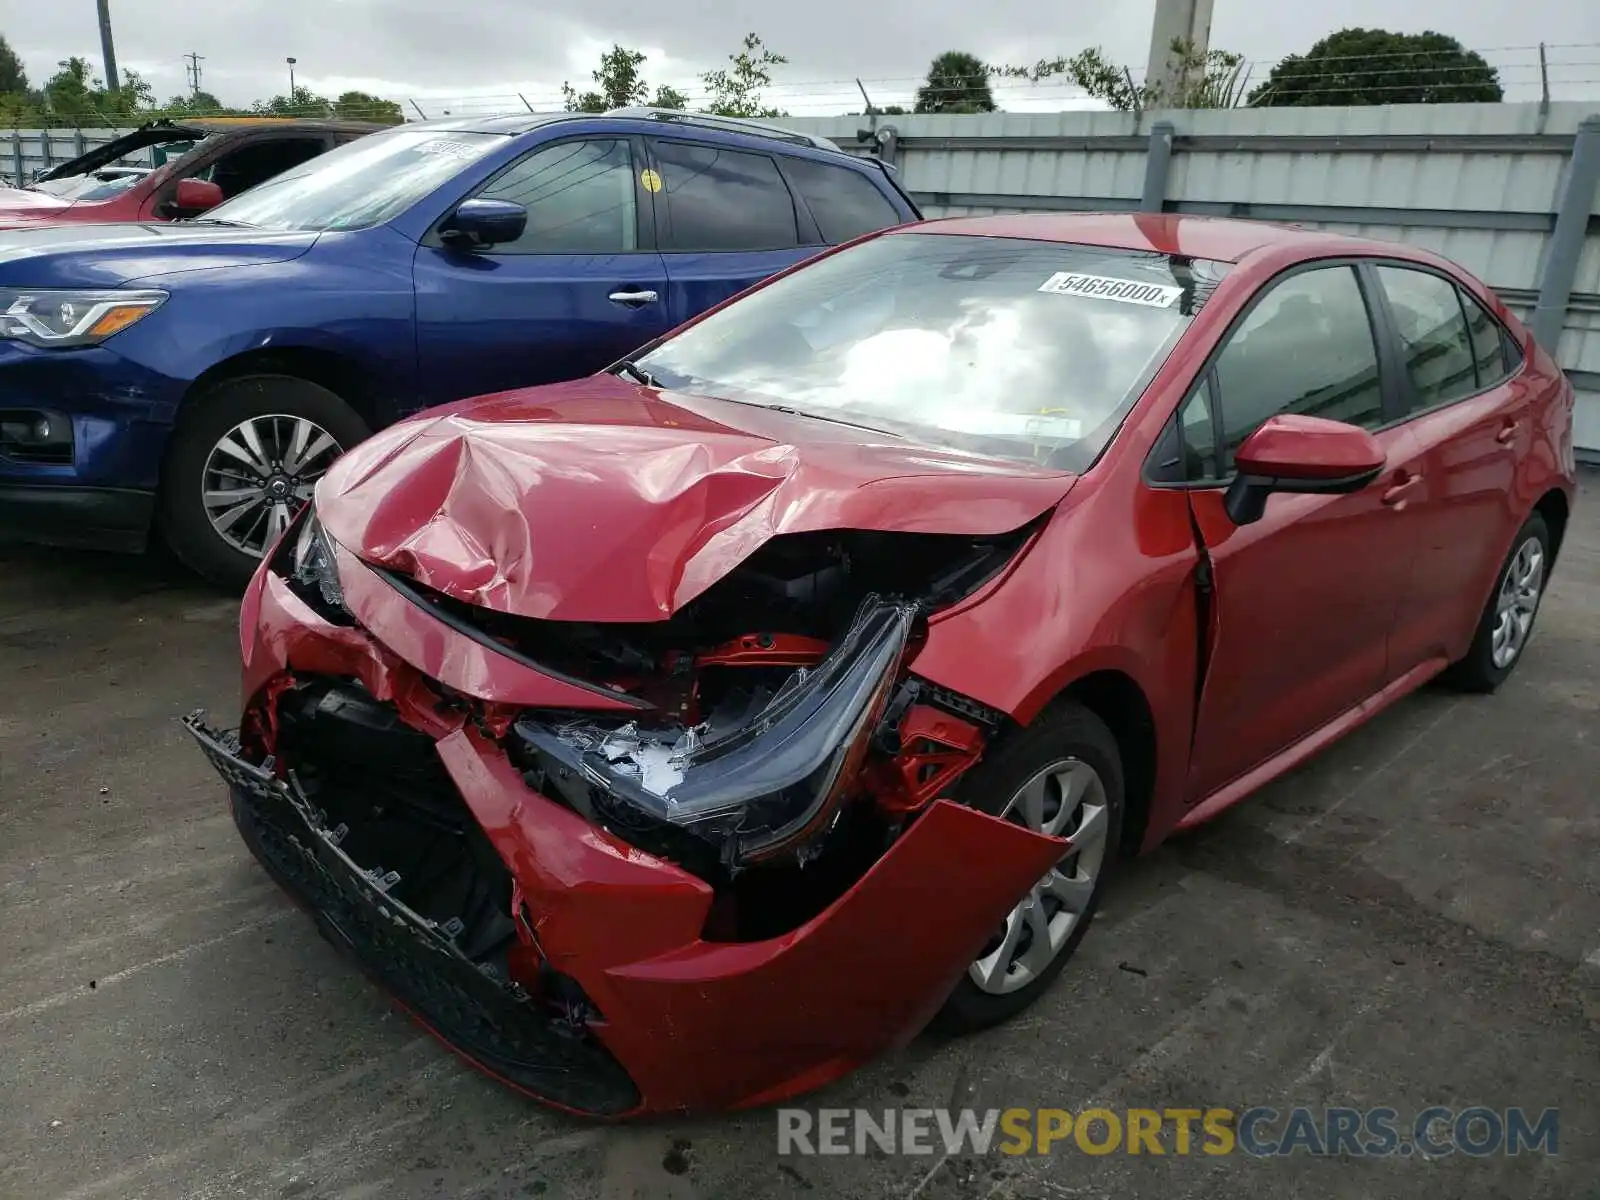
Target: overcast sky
[{"x": 489, "y": 50}]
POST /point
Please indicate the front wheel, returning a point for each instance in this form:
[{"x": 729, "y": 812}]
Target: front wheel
[
  {"x": 1061, "y": 776},
  {"x": 243, "y": 462}
]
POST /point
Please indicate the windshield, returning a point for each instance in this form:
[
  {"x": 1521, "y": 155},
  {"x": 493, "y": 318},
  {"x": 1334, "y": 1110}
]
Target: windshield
[
  {"x": 97, "y": 185},
  {"x": 1017, "y": 349},
  {"x": 362, "y": 183}
]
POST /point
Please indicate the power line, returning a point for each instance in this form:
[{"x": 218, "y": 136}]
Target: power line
[{"x": 191, "y": 70}]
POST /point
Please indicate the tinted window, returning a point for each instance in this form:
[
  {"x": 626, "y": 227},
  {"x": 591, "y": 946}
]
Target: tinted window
[
  {"x": 723, "y": 200},
  {"x": 1488, "y": 343},
  {"x": 1434, "y": 342},
  {"x": 258, "y": 162},
  {"x": 844, "y": 202},
  {"x": 1012, "y": 348},
  {"x": 579, "y": 197},
  {"x": 1306, "y": 347}
]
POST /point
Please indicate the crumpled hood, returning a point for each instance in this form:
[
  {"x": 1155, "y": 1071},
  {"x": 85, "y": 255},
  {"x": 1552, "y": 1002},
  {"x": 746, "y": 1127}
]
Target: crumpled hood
[{"x": 603, "y": 500}]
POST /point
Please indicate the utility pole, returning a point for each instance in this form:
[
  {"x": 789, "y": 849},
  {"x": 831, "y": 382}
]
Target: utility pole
[
  {"x": 1185, "y": 21},
  {"x": 291, "y": 80},
  {"x": 107, "y": 51},
  {"x": 192, "y": 69}
]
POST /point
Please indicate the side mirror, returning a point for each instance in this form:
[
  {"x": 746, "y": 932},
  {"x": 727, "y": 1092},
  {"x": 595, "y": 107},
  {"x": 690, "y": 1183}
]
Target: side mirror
[
  {"x": 194, "y": 196},
  {"x": 478, "y": 223},
  {"x": 1306, "y": 455}
]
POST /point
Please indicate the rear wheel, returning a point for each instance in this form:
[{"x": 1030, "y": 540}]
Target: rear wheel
[
  {"x": 243, "y": 462},
  {"x": 1507, "y": 620},
  {"x": 1061, "y": 776}
]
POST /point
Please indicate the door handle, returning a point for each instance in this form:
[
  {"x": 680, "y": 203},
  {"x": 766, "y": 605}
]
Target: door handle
[
  {"x": 633, "y": 296},
  {"x": 1395, "y": 495},
  {"x": 1508, "y": 432}
]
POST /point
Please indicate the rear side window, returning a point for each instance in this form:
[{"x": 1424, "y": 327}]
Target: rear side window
[
  {"x": 579, "y": 197},
  {"x": 844, "y": 202},
  {"x": 1435, "y": 344},
  {"x": 719, "y": 199},
  {"x": 1307, "y": 347},
  {"x": 1489, "y": 354}
]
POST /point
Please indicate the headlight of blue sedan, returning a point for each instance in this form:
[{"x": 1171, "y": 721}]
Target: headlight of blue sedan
[{"x": 55, "y": 317}]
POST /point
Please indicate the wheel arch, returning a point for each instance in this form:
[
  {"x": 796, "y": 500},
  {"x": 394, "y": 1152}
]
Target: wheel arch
[
  {"x": 1117, "y": 699},
  {"x": 1556, "y": 509},
  {"x": 341, "y": 374}
]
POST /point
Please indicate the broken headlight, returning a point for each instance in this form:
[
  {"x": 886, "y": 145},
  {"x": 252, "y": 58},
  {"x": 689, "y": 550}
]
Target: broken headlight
[
  {"x": 312, "y": 573},
  {"x": 768, "y": 783}
]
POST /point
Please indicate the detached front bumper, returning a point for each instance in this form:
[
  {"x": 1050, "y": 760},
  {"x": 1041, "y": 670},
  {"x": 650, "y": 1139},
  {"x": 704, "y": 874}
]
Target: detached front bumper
[{"x": 668, "y": 1020}]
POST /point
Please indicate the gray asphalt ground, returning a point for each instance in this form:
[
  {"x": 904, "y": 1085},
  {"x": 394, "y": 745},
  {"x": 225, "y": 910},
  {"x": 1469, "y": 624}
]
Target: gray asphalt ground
[{"x": 1412, "y": 919}]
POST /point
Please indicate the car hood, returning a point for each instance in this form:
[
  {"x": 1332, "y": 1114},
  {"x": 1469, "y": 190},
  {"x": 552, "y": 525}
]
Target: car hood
[
  {"x": 88, "y": 255},
  {"x": 16, "y": 204},
  {"x": 602, "y": 500}
]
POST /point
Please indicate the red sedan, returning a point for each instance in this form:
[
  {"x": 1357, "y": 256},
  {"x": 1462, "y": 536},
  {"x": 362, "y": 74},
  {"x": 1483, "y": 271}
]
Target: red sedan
[{"x": 684, "y": 736}]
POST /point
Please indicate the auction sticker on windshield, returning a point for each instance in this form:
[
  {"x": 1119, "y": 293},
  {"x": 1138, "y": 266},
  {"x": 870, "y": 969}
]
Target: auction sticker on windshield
[{"x": 1104, "y": 287}]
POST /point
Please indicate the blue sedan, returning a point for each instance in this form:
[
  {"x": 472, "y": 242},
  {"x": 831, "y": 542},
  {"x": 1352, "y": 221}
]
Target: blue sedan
[{"x": 196, "y": 379}]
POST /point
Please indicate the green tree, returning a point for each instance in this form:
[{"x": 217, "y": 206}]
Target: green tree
[
  {"x": 302, "y": 102},
  {"x": 1206, "y": 79},
  {"x": 737, "y": 92},
  {"x": 620, "y": 84},
  {"x": 1374, "y": 66},
  {"x": 359, "y": 106},
  {"x": 13, "y": 79},
  {"x": 200, "y": 104},
  {"x": 958, "y": 82},
  {"x": 69, "y": 94}
]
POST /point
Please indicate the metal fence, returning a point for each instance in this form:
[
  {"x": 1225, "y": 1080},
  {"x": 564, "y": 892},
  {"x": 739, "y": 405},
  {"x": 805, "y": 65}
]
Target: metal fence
[{"x": 1509, "y": 191}]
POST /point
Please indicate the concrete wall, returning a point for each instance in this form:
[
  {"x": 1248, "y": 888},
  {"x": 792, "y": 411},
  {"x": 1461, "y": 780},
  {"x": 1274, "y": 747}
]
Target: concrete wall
[{"x": 1480, "y": 183}]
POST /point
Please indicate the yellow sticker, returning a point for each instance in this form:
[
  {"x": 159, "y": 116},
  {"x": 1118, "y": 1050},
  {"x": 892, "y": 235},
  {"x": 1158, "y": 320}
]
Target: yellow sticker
[{"x": 651, "y": 181}]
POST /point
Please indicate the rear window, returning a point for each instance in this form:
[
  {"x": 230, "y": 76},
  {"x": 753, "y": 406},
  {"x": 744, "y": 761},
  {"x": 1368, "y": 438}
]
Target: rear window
[
  {"x": 1005, "y": 347},
  {"x": 844, "y": 202}
]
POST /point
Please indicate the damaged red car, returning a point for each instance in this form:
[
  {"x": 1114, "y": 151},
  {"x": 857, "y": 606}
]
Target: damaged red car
[{"x": 685, "y": 736}]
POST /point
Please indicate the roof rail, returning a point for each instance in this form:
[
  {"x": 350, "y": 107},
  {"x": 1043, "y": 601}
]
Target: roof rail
[{"x": 731, "y": 124}]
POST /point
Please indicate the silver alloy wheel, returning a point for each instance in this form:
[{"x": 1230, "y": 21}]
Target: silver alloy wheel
[
  {"x": 1517, "y": 603},
  {"x": 260, "y": 474},
  {"x": 1066, "y": 799}
]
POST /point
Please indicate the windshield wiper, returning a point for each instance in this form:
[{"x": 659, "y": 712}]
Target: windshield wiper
[
  {"x": 815, "y": 416},
  {"x": 220, "y": 221},
  {"x": 636, "y": 373}
]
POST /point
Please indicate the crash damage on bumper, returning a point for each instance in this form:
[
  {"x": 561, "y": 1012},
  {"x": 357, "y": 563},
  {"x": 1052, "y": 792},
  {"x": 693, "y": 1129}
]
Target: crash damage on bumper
[{"x": 634, "y": 866}]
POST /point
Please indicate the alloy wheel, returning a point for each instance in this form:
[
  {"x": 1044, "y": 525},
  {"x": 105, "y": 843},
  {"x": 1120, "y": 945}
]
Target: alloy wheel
[
  {"x": 1517, "y": 603},
  {"x": 260, "y": 474},
  {"x": 1066, "y": 799}
]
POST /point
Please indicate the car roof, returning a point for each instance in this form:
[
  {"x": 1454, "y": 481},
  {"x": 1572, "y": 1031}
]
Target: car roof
[
  {"x": 1224, "y": 239},
  {"x": 242, "y": 124},
  {"x": 659, "y": 119}
]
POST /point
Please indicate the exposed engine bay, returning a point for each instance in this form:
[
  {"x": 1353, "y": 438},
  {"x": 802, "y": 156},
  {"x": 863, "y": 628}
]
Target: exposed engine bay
[{"x": 778, "y": 745}]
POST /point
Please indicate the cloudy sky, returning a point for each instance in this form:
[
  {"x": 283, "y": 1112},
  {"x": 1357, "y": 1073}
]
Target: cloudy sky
[{"x": 480, "y": 58}]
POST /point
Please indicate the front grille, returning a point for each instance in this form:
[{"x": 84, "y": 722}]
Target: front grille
[{"x": 398, "y": 873}]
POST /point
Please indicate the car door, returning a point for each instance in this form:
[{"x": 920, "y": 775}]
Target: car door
[
  {"x": 582, "y": 287},
  {"x": 1470, "y": 415},
  {"x": 725, "y": 220},
  {"x": 1303, "y": 600}
]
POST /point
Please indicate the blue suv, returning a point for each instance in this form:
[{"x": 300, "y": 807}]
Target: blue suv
[{"x": 197, "y": 378}]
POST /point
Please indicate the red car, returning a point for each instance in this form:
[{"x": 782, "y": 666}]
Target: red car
[
  {"x": 684, "y": 736},
  {"x": 199, "y": 164}
]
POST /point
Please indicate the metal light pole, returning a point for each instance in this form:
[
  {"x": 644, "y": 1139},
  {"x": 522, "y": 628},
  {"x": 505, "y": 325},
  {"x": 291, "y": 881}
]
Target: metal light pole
[
  {"x": 291, "y": 80},
  {"x": 107, "y": 51}
]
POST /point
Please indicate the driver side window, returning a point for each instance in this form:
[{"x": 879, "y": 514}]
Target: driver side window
[
  {"x": 580, "y": 198},
  {"x": 1307, "y": 347}
]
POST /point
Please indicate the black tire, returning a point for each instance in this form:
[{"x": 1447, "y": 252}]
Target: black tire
[
  {"x": 208, "y": 417},
  {"x": 1066, "y": 730},
  {"x": 1476, "y": 671}
]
